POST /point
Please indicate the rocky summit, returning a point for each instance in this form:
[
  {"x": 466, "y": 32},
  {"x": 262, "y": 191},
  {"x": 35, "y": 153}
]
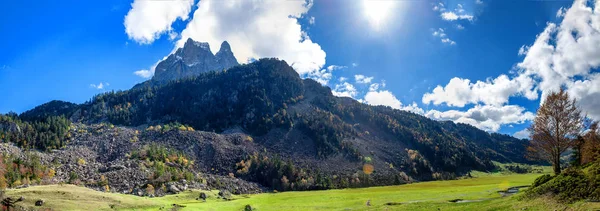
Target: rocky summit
[{"x": 191, "y": 60}]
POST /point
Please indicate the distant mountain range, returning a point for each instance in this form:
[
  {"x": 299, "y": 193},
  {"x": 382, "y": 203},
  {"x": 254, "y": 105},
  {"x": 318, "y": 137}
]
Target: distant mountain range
[{"x": 297, "y": 121}]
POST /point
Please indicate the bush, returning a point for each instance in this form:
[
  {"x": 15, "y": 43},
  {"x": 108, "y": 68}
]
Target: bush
[
  {"x": 150, "y": 189},
  {"x": 81, "y": 161},
  {"x": 541, "y": 180},
  {"x": 73, "y": 178},
  {"x": 570, "y": 186}
]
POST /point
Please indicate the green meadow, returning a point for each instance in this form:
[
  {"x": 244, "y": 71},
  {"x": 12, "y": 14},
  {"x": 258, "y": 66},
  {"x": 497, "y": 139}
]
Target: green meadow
[{"x": 481, "y": 193}]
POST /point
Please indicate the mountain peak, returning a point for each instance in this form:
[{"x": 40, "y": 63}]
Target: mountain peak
[
  {"x": 193, "y": 59},
  {"x": 225, "y": 56},
  {"x": 190, "y": 43},
  {"x": 225, "y": 47}
]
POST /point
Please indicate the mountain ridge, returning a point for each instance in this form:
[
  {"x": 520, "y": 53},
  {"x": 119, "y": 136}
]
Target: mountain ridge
[{"x": 308, "y": 133}]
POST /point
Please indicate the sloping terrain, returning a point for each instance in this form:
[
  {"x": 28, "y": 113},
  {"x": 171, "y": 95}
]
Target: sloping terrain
[{"x": 295, "y": 134}]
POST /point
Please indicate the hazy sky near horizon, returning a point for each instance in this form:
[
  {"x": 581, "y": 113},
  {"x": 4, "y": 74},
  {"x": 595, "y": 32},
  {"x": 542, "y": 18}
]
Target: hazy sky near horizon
[{"x": 481, "y": 62}]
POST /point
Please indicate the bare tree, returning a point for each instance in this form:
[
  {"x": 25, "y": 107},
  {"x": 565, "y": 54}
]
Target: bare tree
[{"x": 555, "y": 128}]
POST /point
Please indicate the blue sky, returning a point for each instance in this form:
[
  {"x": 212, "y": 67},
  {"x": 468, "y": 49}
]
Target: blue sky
[{"x": 486, "y": 56}]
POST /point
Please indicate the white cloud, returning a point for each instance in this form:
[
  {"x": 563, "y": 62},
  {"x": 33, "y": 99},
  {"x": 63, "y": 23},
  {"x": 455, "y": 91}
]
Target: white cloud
[
  {"x": 311, "y": 21},
  {"x": 323, "y": 76},
  {"x": 563, "y": 55},
  {"x": 148, "y": 73},
  {"x": 342, "y": 79},
  {"x": 443, "y": 36},
  {"x": 478, "y": 2},
  {"x": 413, "y": 107},
  {"x": 523, "y": 50},
  {"x": 587, "y": 91},
  {"x": 361, "y": 79},
  {"x": 257, "y": 29},
  {"x": 561, "y": 12},
  {"x": 354, "y": 64},
  {"x": 452, "y": 16},
  {"x": 566, "y": 54},
  {"x": 173, "y": 35},
  {"x": 344, "y": 89},
  {"x": 459, "y": 13},
  {"x": 144, "y": 73},
  {"x": 439, "y": 33},
  {"x": 148, "y": 20},
  {"x": 99, "y": 86},
  {"x": 459, "y": 92},
  {"x": 486, "y": 117},
  {"x": 374, "y": 87},
  {"x": 439, "y": 7},
  {"x": 460, "y": 27},
  {"x": 386, "y": 98},
  {"x": 448, "y": 41},
  {"x": 383, "y": 97},
  {"x": 522, "y": 134}
]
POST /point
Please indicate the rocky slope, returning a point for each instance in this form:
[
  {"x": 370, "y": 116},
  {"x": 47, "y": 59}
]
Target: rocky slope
[
  {"x": 102, "y": 152},
  {"x": 265, "y": 124}
]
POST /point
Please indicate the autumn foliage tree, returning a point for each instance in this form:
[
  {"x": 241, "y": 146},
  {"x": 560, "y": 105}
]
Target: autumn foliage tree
[
  {"x": 588, "y": 145},
  {"x": 555, "y": 128}
]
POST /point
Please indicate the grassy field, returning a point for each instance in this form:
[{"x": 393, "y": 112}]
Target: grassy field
[{"x": 418, "y": 196}]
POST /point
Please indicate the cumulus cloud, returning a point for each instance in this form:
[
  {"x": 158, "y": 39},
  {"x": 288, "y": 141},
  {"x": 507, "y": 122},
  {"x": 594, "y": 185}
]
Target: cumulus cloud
[
  {"x": 522, "y": 134},
  {"x": 452, "y": 16},
  {"x": 144, "y": 73},
  {"x": 99, "y": 86},
  {"x": 561, "y": 12},
  {"x": 587, "y": 91},
  {"x": 361, "y": 79},
  {"x": 439, "y": 7},
  {"x": 443, "y": 36},
  {"x": 485, "y": 117},
  {"x": 523, "y": 50},
  {"x": 460, "y": 92},
  {"x": 459, "y": 13},
  {"x": 344, "y": 89},
  {"x": 257, "y": 29},
  {"x": 413, "y": 107},
  {"x": 148, "y": 20},
  {"x": 386, "y": 98},
  {"x": 383, "y": 97},
  {"x": 566, "y": 55},
  {"x": 324, "y": 75}
]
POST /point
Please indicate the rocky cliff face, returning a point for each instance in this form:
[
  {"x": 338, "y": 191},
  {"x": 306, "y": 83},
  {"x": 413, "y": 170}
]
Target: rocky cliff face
[{"x": 192, "y": 60}]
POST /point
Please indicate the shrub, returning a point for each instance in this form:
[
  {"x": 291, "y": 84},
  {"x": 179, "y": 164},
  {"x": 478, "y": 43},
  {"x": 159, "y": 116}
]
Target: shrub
[
  {"x": 150, "y": 189},
  {"x": 51, "y": 173},
  {"x": 541, "y": 180},
  {"x": 570, "y": 186},
  {"x": 81, "y": 161},
  {"x": 73, "y": 177}
]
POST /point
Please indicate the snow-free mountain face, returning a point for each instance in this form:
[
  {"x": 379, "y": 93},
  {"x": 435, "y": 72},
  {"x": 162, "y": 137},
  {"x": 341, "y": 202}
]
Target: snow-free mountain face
[{"x": 191, "y": 60}]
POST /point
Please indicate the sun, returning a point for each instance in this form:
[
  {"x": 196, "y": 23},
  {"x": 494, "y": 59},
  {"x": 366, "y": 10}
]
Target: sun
[{"x": 378, "y": 12}]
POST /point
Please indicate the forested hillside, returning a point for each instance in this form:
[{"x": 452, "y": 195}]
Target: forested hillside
[{"x": 298, "y": 121}]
